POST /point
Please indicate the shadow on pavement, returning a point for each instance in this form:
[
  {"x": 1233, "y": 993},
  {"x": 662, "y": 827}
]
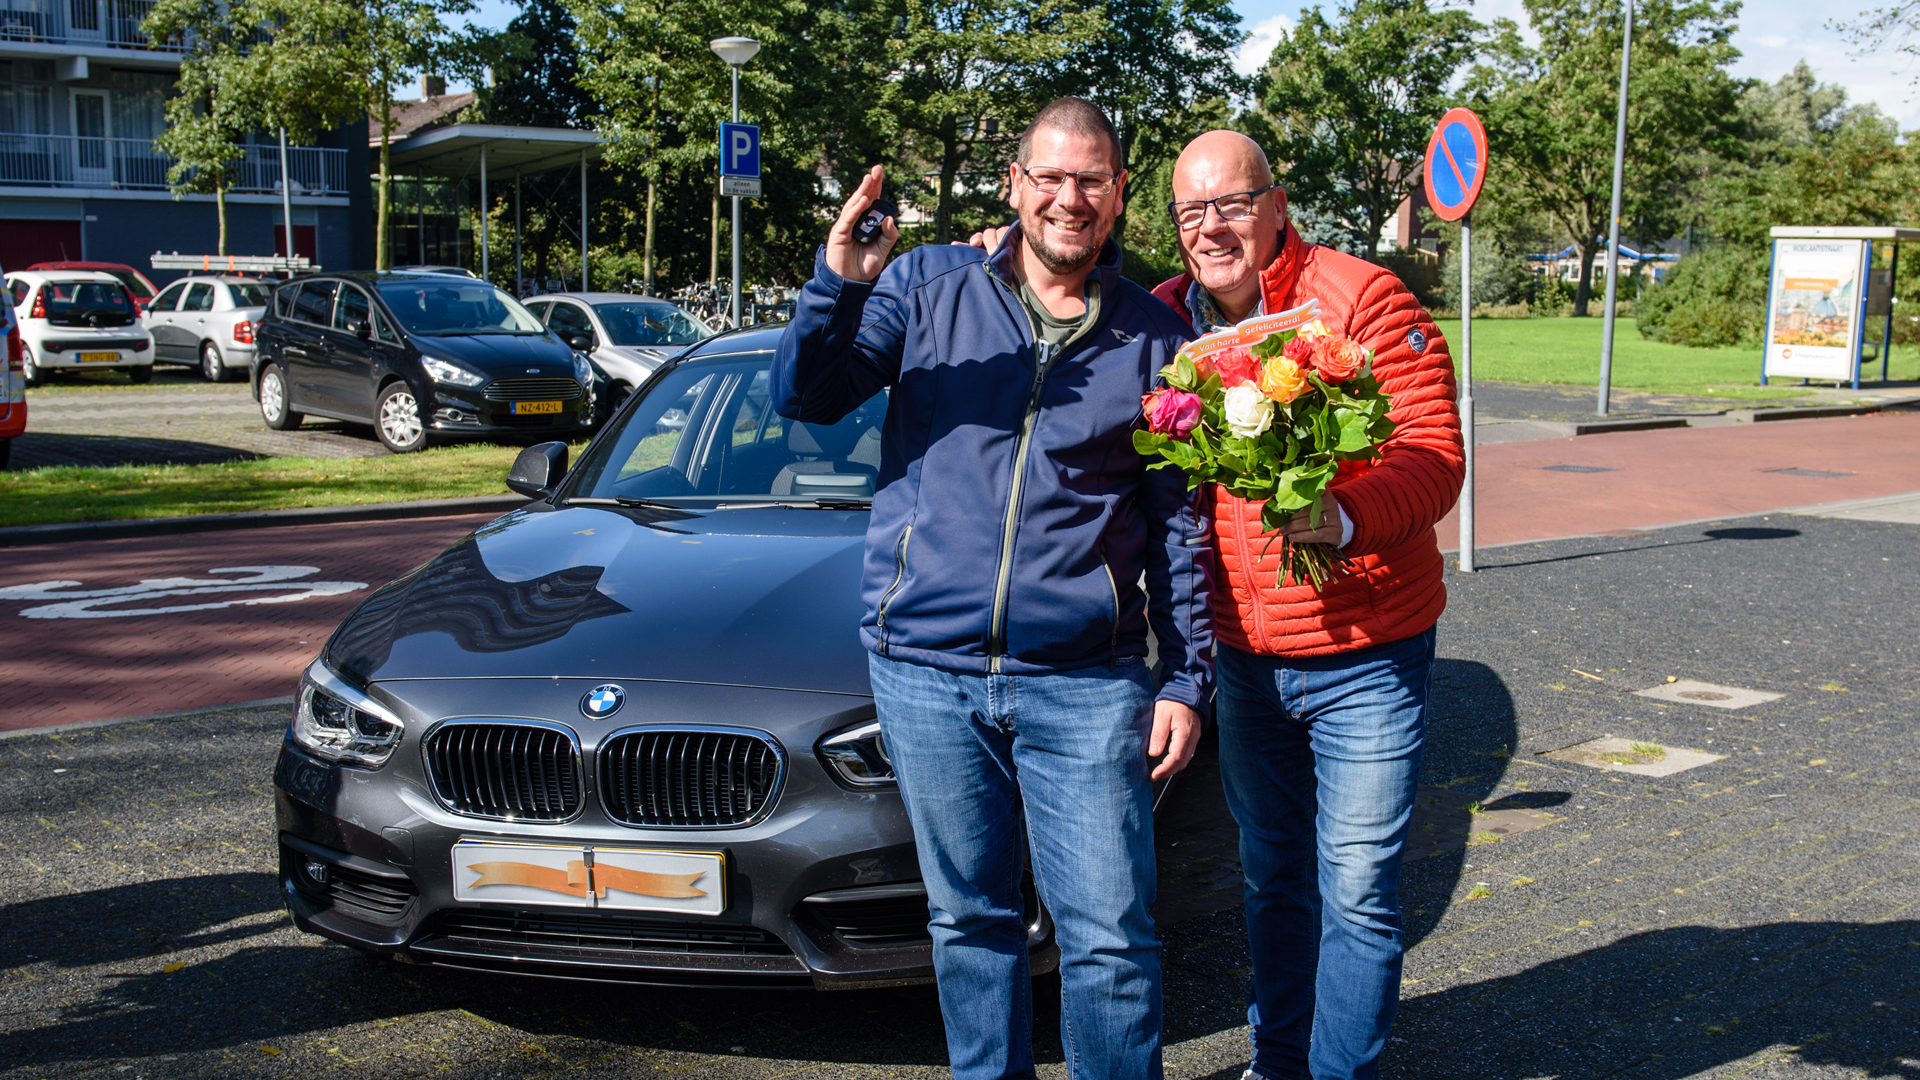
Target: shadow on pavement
[
  {"x": 40, "y": 450},
  {"x": 1708, "y": 536}
]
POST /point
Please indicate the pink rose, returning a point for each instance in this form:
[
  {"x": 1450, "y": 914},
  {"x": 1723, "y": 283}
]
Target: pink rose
[
  {"x": 1300, "y": 350},
  {"x": 1171, "y": 412},
  {"x": 1236, "y": 366}
]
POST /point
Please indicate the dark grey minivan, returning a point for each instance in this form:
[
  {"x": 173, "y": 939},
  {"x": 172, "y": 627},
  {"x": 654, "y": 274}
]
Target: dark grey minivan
[
  {"x": 625, "y": 732},
  {"x": 417, "y": 356}
]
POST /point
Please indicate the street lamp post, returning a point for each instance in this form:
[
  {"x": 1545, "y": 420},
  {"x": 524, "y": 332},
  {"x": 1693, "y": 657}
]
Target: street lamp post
[{"x": 735, "y": 51}]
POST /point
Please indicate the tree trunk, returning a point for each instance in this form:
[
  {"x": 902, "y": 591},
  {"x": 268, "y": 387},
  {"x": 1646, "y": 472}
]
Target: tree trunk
[
  {"x": 220, "y": 206},
  {"x": 648, "y": 261},
  {"x": 1588, "y": 251},
  {"x": 382, "y": 259}
]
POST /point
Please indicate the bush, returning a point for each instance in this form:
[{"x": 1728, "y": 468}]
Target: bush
[
  {"x": 1715, "y": 297},
  {"x": 1498, "y": 280}
]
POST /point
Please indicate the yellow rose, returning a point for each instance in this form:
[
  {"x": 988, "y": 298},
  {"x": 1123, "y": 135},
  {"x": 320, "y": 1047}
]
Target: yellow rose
[
  {"x": 1282, "y": 380},
  {"x": 1314, "y": 329}
]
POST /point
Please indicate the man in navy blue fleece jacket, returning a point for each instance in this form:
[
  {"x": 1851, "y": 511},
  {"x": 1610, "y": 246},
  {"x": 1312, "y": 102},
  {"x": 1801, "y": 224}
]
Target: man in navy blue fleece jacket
[{"x": 1012, "y": 524}]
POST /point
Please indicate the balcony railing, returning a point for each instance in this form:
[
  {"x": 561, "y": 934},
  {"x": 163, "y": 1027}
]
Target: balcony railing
[
  {"x": 72, "y": 161},
  {"x": 112, "y": 23}
]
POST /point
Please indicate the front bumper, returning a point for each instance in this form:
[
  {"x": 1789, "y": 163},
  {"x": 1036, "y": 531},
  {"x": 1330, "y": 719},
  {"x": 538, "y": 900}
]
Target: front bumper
[
  {"x": 458, "y": 411},
  {"x": 822, "y": 892}
]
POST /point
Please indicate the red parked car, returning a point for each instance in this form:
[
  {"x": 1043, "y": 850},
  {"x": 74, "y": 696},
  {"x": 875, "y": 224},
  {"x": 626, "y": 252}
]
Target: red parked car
[
  {"x": 13, "y": 385},
  {"x": 136, "y": 282}
]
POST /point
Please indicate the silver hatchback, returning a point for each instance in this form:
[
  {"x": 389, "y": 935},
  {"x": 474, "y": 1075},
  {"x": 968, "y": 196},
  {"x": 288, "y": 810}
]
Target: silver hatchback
[{"x": 207, "y": 321}]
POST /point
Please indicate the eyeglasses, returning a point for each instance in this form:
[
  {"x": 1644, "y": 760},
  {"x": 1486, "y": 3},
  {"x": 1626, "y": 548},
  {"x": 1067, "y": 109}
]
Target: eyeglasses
[
  {"x": 1091, "y": 184},
  {"x": 1238, "y": 206}
]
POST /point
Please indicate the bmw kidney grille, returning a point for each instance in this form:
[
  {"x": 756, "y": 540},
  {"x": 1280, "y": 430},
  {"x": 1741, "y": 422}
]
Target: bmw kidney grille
[
  {"x": 509, "y": 772},
  {"x": 689, "y": 779}
]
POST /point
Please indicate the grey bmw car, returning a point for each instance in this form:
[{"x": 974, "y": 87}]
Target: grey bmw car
[{"x": 625, "y": 733}]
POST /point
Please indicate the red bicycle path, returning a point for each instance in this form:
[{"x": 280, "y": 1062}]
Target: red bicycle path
[{"x": 67, "y": 670}]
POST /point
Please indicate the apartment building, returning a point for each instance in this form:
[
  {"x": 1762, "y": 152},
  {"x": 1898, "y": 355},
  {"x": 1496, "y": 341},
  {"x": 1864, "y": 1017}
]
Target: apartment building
[{"x": 82, "y": 96}]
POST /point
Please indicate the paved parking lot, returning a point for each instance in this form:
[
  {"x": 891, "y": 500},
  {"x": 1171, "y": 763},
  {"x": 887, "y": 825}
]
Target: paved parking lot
[{"x": 1754, "y": 916}]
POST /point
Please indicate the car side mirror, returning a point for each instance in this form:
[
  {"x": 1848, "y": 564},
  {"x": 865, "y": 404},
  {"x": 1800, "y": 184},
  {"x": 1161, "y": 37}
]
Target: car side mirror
[
  {"x": 538, "y": 470},
  {"x": 361, "y": 329},
  {"x": 583, "y": 342}
]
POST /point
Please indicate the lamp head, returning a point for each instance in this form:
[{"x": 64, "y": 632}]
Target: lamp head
[{"x": 734, "y": 50}]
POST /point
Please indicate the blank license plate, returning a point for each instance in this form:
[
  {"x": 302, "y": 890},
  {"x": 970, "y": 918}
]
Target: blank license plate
[
  {"x": 627, "y": 879},
  {"x": 99, "y": 357},
  {"x": 522, "y": 408}
]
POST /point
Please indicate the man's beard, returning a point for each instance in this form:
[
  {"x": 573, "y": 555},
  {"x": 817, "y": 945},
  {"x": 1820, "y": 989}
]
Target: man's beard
[{"x": 1057, "y": 262}]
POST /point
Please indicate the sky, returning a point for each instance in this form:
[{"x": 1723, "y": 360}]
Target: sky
[{"x": 1773, "y": 36}]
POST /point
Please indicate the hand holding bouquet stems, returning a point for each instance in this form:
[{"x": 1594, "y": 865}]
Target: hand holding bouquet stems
[{"x": 1269, "y": 409}]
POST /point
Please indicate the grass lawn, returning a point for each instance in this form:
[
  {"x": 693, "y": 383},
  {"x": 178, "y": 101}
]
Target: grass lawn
[
  {"x": 78, "y": 493},
  {"x": 1568, "y": 351}
]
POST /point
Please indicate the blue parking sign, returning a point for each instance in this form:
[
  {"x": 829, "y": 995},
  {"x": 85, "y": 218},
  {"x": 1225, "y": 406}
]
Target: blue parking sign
[{"x": 739, "y": 149}]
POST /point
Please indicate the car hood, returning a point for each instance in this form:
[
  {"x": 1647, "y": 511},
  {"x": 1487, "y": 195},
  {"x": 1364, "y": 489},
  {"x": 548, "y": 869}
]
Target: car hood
[
  {"x": 648, "y": 356},
  {"x": 758, "y": 597},
  {"x": 494, "y": 352}
]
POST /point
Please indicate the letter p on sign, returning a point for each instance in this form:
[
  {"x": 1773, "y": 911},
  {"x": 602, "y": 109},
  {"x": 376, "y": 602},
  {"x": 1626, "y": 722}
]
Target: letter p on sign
[{"x": 740, "y": 150}]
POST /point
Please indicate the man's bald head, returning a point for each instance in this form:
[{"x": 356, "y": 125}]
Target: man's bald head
[
  {"x": 1224, "y": 154},
  {"x": 1226, "y": 256}
]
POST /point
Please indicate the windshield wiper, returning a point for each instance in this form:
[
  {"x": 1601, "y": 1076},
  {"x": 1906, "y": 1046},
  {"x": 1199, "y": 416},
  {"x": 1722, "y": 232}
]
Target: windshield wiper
[
  {"x": 802, "y": 504},
  {"x": 479, "y": 333},
  {"x": 595, "y": 500}
]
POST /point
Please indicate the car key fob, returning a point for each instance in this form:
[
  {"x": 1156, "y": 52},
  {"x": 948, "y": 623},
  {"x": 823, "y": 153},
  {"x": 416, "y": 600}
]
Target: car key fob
[{"x": 868, "y": 228}]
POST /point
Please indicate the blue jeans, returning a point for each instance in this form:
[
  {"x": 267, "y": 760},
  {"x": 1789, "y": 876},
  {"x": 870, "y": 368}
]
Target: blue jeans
[
  {"x": 1320, "y": 757},
  {"x": 1068, "y": 751}
]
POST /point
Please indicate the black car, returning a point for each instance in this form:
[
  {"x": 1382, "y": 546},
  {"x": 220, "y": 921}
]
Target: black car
[{"x": 416, "y": 355}]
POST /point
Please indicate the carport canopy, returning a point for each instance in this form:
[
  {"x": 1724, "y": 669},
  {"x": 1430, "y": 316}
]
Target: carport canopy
[{"x": 457, "y": 150}]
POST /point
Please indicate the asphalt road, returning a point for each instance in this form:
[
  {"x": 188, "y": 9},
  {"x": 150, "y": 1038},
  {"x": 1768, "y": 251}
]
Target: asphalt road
[{"x": 1754, "y": 916}]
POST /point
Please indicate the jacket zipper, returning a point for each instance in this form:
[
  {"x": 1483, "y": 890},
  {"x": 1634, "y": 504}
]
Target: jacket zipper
[
  {"x": 1113, "y": 639},
  {"x": 899, "y": 575}
]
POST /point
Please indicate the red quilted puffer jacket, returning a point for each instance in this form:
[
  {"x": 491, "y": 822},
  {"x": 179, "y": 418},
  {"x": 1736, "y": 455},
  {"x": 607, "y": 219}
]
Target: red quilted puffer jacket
[{"x": 1394, "y": 590}]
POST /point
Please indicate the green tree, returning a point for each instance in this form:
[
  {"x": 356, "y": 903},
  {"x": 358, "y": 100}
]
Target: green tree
[
  {"x": 208, "y": 116},
  {"x": 1549, "y": 111},
  {"x": 1347, "y": 106}
]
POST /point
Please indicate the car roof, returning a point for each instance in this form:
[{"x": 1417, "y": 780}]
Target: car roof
[
  {"x": 78, "y": 264},
  {"x": 598, "y": 297},
  {"x": 63, "y": 275},
  {"x": 230, "y": 279},
  {"x": 377, "y": 276},
  {"x": 762, "y": 337}
]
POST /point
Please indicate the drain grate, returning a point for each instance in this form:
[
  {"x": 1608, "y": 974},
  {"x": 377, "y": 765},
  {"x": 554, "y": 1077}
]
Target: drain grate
[
  {"x": 1576, "y": 468},
  {"x": 1807, "y": 472}
]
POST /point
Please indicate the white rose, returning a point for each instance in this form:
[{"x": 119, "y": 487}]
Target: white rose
[{"x": 1249, "y": 412}]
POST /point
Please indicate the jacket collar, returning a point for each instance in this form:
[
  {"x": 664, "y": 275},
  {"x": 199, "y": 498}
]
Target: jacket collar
[{"x": 1106, "y": 267}]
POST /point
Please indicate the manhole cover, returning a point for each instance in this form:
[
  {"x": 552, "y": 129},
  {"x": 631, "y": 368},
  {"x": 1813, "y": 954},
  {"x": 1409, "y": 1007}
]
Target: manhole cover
[
  {"x": 1807, "y": 472},
  {"x": 1576, "y": 468},
  {"x": 1692, "y": 692}
]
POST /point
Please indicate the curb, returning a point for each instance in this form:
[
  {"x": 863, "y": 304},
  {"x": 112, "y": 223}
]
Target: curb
[
  {"x": 150, "y": 718},
  {"x": 1601, "y": 427},
  {"x": 1631, "y": 531},
  {"x": 1819, "y": 412},
  {"x": 67, "y": 532}
]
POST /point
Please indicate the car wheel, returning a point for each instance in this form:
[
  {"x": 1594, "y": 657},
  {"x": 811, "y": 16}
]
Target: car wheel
[
  {"x": 213, "y": 366},
  {"x": 397, "y": 419},
  {"x": 610, "y": 401},
  {"x": 275, "y": 406},
  {"x": 36, "y": 375},
  {"x": 141, "y": 374}
]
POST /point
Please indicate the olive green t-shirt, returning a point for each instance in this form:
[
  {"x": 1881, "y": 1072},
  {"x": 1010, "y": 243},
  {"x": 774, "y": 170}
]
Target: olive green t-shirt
[{"x": 1053, "y": 329}]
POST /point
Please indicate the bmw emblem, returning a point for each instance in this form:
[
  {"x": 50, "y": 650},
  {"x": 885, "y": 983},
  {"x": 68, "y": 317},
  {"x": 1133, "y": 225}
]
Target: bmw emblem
[{"x": 602, "y": 702}]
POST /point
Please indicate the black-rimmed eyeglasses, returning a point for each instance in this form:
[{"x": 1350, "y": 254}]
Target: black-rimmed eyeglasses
[
  {"x": 1237, "y": 206},
  {"x": 1091, "y": 184}
]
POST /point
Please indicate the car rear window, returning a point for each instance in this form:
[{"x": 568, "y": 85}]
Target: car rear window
[
  {"x": 250, "y": 293},
  {"x": 63, "y": 297},
  {"x": 132, "y": 281}
]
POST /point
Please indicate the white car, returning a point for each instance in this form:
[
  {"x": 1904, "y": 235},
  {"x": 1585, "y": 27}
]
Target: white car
[
  {"x": 626, "y": 336},
  {"x": 78, "y": 320},
  {"x": 207, "y": 321}
]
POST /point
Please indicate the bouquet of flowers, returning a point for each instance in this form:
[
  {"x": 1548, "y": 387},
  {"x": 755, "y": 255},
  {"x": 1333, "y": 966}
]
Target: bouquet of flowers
[{"x": 1269, "y": 409}]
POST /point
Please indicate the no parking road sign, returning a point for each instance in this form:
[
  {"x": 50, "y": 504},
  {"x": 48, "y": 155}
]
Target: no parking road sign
[
  {"x": 740, "y": 159},
  {"x": 1456, "y": 164}
]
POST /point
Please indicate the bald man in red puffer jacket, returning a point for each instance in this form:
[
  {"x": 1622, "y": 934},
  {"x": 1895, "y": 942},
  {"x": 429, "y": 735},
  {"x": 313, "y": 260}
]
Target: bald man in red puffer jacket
[{"x": 1322, "y": 695}]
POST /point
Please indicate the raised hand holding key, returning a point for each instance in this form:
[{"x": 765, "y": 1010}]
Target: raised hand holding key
[{"x": 846, "y": 256}]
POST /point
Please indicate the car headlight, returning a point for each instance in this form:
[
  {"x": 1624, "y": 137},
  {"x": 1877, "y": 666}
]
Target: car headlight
[
  {"x": 583, "y": 370},
  {"x": 857, "y": 756},
  {"x": 334, "y": 721},
  {"x": 442, "y": 371}
]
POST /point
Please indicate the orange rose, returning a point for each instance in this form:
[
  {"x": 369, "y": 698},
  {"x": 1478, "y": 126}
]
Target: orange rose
[
  {"x": 1236, "y": 366},
  {"x": 1282, "y": 380},
  {"x": 1338, "y": 359}
]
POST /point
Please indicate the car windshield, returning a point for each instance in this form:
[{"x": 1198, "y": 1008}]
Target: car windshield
[
  {"x": 447, "y": 308},
  {"x": 649, "y": 323},
  {"x": 66, "y": 297},
  {"x": 250, "y": 293},
  {"x": 706, "y": 434}
]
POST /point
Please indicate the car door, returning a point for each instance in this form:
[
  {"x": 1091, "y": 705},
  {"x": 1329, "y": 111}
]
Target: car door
[
  {"x": 160, "y": 320},
  {"x": 306, "y": 346},
  {"x": 189, "y": 326},
  {"x": 350, "y": 354},
  {"x": 568, "y": 319}
]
